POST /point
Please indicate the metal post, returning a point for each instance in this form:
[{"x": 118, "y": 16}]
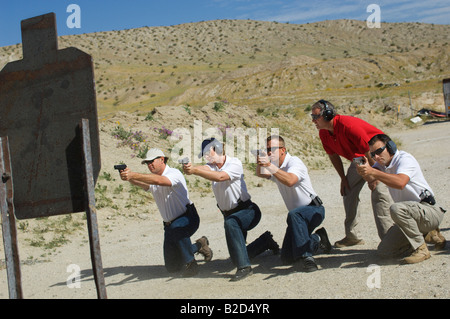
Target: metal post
[
  {"x": 410, "y": 103},
  {"x": 9, "y": 222},
  {"x": 91, "y": 212},
  {"x": 446, "y": 87}
]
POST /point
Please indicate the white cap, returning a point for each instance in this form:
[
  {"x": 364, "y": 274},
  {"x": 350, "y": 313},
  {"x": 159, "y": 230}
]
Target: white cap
[{"x": 152, "y": 154}]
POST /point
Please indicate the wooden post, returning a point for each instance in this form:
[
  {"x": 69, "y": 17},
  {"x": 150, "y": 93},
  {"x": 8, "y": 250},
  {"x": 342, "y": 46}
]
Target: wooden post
[
  {"x": 91, "y": 212},
  {"x": 9, "y": 222}
]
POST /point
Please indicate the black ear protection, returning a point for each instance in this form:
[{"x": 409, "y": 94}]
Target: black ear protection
[
  {"x": 328, "y": 113},
  {"x": 391, "y": 147}
]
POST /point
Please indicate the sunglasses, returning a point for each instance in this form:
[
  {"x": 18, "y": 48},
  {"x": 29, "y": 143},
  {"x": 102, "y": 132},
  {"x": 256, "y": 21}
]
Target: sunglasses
[
  {"x": 273, "y": 149},
  {"x": 151, "y": 162},
  {"x": 378, "y": 151},
  {"x": 315, "y": 117}
]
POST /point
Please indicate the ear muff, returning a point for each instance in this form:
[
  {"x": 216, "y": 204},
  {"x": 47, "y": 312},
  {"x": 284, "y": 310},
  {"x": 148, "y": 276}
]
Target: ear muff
[
  {"x": 328, "y": 113},
  {"x": 211, "y": 143},
  {"x": 391, "y": 147},
  {"x": 218, "y": 147}
]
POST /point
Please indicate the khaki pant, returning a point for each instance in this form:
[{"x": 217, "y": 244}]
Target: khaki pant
[
  {"x": 381, "y": 201},
  {"x": 412, "y": 220}
]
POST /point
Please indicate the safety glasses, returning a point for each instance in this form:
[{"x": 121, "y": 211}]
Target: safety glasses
[{"x": 378, "y": 151}]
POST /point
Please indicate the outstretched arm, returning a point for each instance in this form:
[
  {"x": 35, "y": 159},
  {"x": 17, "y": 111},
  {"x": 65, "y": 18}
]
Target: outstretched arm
[
  {"x": 205, "y": 172},
  {"x": 144, "y": 180}
]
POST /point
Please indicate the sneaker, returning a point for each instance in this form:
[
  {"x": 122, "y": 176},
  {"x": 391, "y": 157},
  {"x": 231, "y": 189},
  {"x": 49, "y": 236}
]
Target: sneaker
[
  {"x": 204, "y": 248},
  {"x": 346, "y": 242},
  {"x": 309, "y": 264},
  {"x": 420, "y": 254},
  {"x": 242, "y": 273},
  {"x": 306, "y": 264},
  {"x": 435, "y": 237},
  {"x": 190, "y": 269},
  {"x": 324, "y": 244}
]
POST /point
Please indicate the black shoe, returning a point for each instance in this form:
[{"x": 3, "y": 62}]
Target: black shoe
[
  {"x": 309, "y": 264},
  {"x": 261, "y": 244},
  {"x": 272, "y": 244},
  {"x": 190, "y": 269},
  {"x": 242, "y": 273},
  {"x": 325, "y": 244}
]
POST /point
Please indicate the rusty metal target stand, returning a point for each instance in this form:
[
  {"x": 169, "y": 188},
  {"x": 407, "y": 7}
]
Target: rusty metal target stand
[
  {"x": 9, "y": 229},
  {"x": 50, "y": 152}
]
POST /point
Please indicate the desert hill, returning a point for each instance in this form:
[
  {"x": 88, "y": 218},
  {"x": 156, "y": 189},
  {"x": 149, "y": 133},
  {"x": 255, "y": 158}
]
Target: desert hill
[{"x": 263, "y": 64}]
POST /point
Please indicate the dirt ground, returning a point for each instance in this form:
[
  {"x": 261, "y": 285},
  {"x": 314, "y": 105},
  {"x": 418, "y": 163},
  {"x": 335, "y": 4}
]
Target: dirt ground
[{"x": 133, "y": 261}]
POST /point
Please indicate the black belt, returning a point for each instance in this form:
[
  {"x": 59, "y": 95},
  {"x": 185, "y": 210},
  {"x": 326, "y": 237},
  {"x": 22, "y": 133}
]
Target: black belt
[
  {"x": 241, "y": 205},
  {"x": 188, "y": 208},
  {"x": 316, "y": 201},
  {"x": 429, "y": 199}
]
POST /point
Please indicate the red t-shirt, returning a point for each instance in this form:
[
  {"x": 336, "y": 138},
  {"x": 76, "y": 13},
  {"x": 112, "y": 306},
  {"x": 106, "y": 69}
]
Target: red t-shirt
[{"x": 350, "y": 138}]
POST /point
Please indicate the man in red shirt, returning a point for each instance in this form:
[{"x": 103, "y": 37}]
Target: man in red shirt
[{"x": 348, "y": 136}]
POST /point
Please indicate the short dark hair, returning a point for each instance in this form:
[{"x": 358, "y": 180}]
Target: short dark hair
[
  {"x": 277, "y": 137},
  {"x": 379, "y": 137}
]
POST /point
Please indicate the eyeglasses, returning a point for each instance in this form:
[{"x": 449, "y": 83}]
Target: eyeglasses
[
  {"x": 315, "y": 117},
  {"x": 378, "y": 151},
  {"x": 151, "y": 162}
]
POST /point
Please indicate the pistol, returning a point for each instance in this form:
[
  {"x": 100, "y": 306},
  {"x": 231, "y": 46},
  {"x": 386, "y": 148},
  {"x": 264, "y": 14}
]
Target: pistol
[
  {"x": 120, "y": 167},
  {"x": 184, "y": 160},
  {"x": 258, "y": 153},
  {"x": 359, "y": 160}
]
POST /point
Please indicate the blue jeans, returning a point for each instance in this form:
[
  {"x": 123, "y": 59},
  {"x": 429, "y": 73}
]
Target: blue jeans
[
  {"x": 298, "y": 241},
  {"x": 236, "y": 227},
  {"x": 178, "y": 248}
]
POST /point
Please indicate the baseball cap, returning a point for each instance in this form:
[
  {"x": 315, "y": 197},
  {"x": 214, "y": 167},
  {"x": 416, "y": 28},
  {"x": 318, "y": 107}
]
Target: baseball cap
[
  {"x": 208, "y": 143},
  {"x": 152, "y": 154}
]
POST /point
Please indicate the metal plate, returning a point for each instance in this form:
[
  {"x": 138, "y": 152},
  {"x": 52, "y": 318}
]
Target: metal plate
[
  {"x": 43, "y": 99},
  {"x": 446, "y": 85}
]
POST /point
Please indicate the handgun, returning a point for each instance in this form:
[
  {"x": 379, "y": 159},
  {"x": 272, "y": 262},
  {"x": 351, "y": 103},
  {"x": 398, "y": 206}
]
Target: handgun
[
  {"x": 258, "y": 153},
  {"x": 120, "y": 167},
  {"x": 184, "y": 160},
  {"x": 359, "y": 160}
]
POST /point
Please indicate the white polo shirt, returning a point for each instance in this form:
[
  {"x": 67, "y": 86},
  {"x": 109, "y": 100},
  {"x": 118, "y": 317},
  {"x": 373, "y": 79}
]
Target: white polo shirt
[
  {"x": 300, "y": 193},
  {"x": 230, "y": 191},
  {"x": 405, "y": 163},
  {"x": 171, "y": 200}
]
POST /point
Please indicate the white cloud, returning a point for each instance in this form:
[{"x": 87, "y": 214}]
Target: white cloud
[{"x": 295, "y": 11}]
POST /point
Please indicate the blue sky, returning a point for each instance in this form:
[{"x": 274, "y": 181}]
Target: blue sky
[{"x": 102, "y": 15}]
